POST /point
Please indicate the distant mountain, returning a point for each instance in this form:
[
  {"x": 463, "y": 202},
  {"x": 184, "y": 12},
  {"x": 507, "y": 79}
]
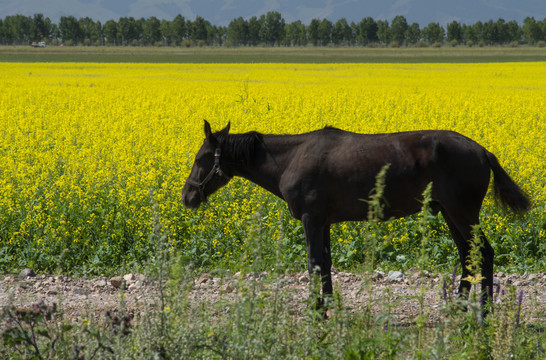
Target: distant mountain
[{"x": 221, "y": 12}]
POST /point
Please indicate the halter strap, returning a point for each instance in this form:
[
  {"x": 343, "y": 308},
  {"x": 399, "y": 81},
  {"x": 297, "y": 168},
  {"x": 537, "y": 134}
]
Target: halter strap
[{"x": 216, "y": 170}]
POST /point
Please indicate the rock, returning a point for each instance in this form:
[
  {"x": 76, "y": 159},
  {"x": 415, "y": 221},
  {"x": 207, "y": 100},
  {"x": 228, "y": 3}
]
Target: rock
[
  {"x": 26, "y": 273},
  {"x": 204, "y": 278},
  {"x": 303, "y": 279},
  {"x": 116, "y": 281},
  {"x": 129, "y": 278},
  {"x": 421, "y": 274},
  {"x": 395, "y": 276},
  {"x": 378, "y": 275},
  {"x": 101, "y": 283}
]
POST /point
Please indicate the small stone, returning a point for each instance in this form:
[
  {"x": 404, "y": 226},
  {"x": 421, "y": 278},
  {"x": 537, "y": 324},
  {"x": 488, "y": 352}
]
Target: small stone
[
  {"x": 116, "y": 281},
  {"x": 204, "y": 278},
  {"x": 26, "y": 273},
  {"x": 395, "y": 276},
  {"x": 129, "y": 278},
  {"x": 303, "y": 279},
  {"x": 101, "y": 283},
  {"x": 132, "y": 286},
  {"x": 378, "y": 275}
]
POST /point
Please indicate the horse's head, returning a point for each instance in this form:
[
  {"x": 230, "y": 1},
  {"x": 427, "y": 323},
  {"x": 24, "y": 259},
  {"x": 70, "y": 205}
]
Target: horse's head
[{"x": 208, "y": 173}]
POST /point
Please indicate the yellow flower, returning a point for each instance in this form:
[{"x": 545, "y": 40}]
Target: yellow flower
[{"x": 82, "y": 146}]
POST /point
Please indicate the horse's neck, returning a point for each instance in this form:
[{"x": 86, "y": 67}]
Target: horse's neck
[{"x": 271, "y": 159}]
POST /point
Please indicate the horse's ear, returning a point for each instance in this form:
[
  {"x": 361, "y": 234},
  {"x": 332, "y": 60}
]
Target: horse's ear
[
  {"x": 225, "y": 130},
  {"x": 208, "y": 131},
  {"x": 209, "y": 136}
]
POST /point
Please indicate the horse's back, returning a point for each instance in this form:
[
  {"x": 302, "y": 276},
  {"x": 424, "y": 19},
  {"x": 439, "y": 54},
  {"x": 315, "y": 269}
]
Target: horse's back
[{"x": 335, "y": 170}]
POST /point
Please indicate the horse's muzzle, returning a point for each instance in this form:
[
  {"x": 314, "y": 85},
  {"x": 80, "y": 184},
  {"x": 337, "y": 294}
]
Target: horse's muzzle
[{"x": 191, "y": 197}]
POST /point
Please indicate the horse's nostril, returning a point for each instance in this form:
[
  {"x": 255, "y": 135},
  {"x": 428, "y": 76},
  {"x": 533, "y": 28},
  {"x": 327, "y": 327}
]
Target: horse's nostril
[{"x": 191, "y": 199}]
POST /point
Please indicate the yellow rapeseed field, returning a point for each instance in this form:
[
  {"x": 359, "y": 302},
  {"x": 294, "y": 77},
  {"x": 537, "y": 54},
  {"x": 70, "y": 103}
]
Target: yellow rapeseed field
[{"x": 86, "y": 150}]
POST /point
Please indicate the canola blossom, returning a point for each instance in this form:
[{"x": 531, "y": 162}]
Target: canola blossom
[{"x": 91, "y": 154}]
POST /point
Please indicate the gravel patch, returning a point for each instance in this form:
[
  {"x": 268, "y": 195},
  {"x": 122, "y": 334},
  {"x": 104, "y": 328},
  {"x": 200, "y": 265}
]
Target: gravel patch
[{"x": 397, "y": 292}]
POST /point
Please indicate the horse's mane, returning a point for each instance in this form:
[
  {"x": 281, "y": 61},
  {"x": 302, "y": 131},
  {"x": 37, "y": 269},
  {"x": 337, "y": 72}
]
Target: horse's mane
[
  {"x": 240, "y": 147},
  {"x": 329, "y": 127}
]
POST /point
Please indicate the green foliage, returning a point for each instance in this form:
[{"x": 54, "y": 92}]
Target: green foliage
[
  {"x": 261, "y": 321},
  {"x": 257, "y": 319}
]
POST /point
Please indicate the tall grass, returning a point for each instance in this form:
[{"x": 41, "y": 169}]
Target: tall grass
[{"x": 256, "y": 318}]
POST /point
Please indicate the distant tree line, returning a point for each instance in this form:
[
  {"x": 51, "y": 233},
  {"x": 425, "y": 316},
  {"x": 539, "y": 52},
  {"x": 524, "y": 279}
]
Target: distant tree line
[{"x": 269, "y": 30}]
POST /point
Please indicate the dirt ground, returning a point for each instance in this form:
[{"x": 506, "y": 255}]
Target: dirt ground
[{"x": 94, "y": 297}]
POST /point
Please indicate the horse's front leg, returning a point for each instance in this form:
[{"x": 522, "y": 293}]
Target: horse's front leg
[
  {"x": 326, "y": 269},
  {"x": 319, "y": 260}
]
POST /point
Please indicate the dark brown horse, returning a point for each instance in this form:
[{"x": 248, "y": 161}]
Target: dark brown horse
[{"x": 324, "y": 176}]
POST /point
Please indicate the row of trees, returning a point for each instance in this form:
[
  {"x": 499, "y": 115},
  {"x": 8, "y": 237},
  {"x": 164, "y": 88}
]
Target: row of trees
[{"x": 269, "y": 29}]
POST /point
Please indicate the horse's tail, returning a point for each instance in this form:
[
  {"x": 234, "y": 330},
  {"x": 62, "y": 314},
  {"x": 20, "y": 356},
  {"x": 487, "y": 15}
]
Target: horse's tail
[{"x": 509, "y": 193}]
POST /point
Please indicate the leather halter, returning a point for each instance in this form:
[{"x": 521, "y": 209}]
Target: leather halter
[{"x": 216, "y": 170}]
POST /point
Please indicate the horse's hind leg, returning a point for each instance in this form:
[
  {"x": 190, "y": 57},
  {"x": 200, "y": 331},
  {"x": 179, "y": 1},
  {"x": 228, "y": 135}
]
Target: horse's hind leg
[
  {"x": 461, "y": 228},
  {"x": 488, "y": 255},
  {"x": 464, "y": 248},
  {"x": 319, "y": 260}
]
